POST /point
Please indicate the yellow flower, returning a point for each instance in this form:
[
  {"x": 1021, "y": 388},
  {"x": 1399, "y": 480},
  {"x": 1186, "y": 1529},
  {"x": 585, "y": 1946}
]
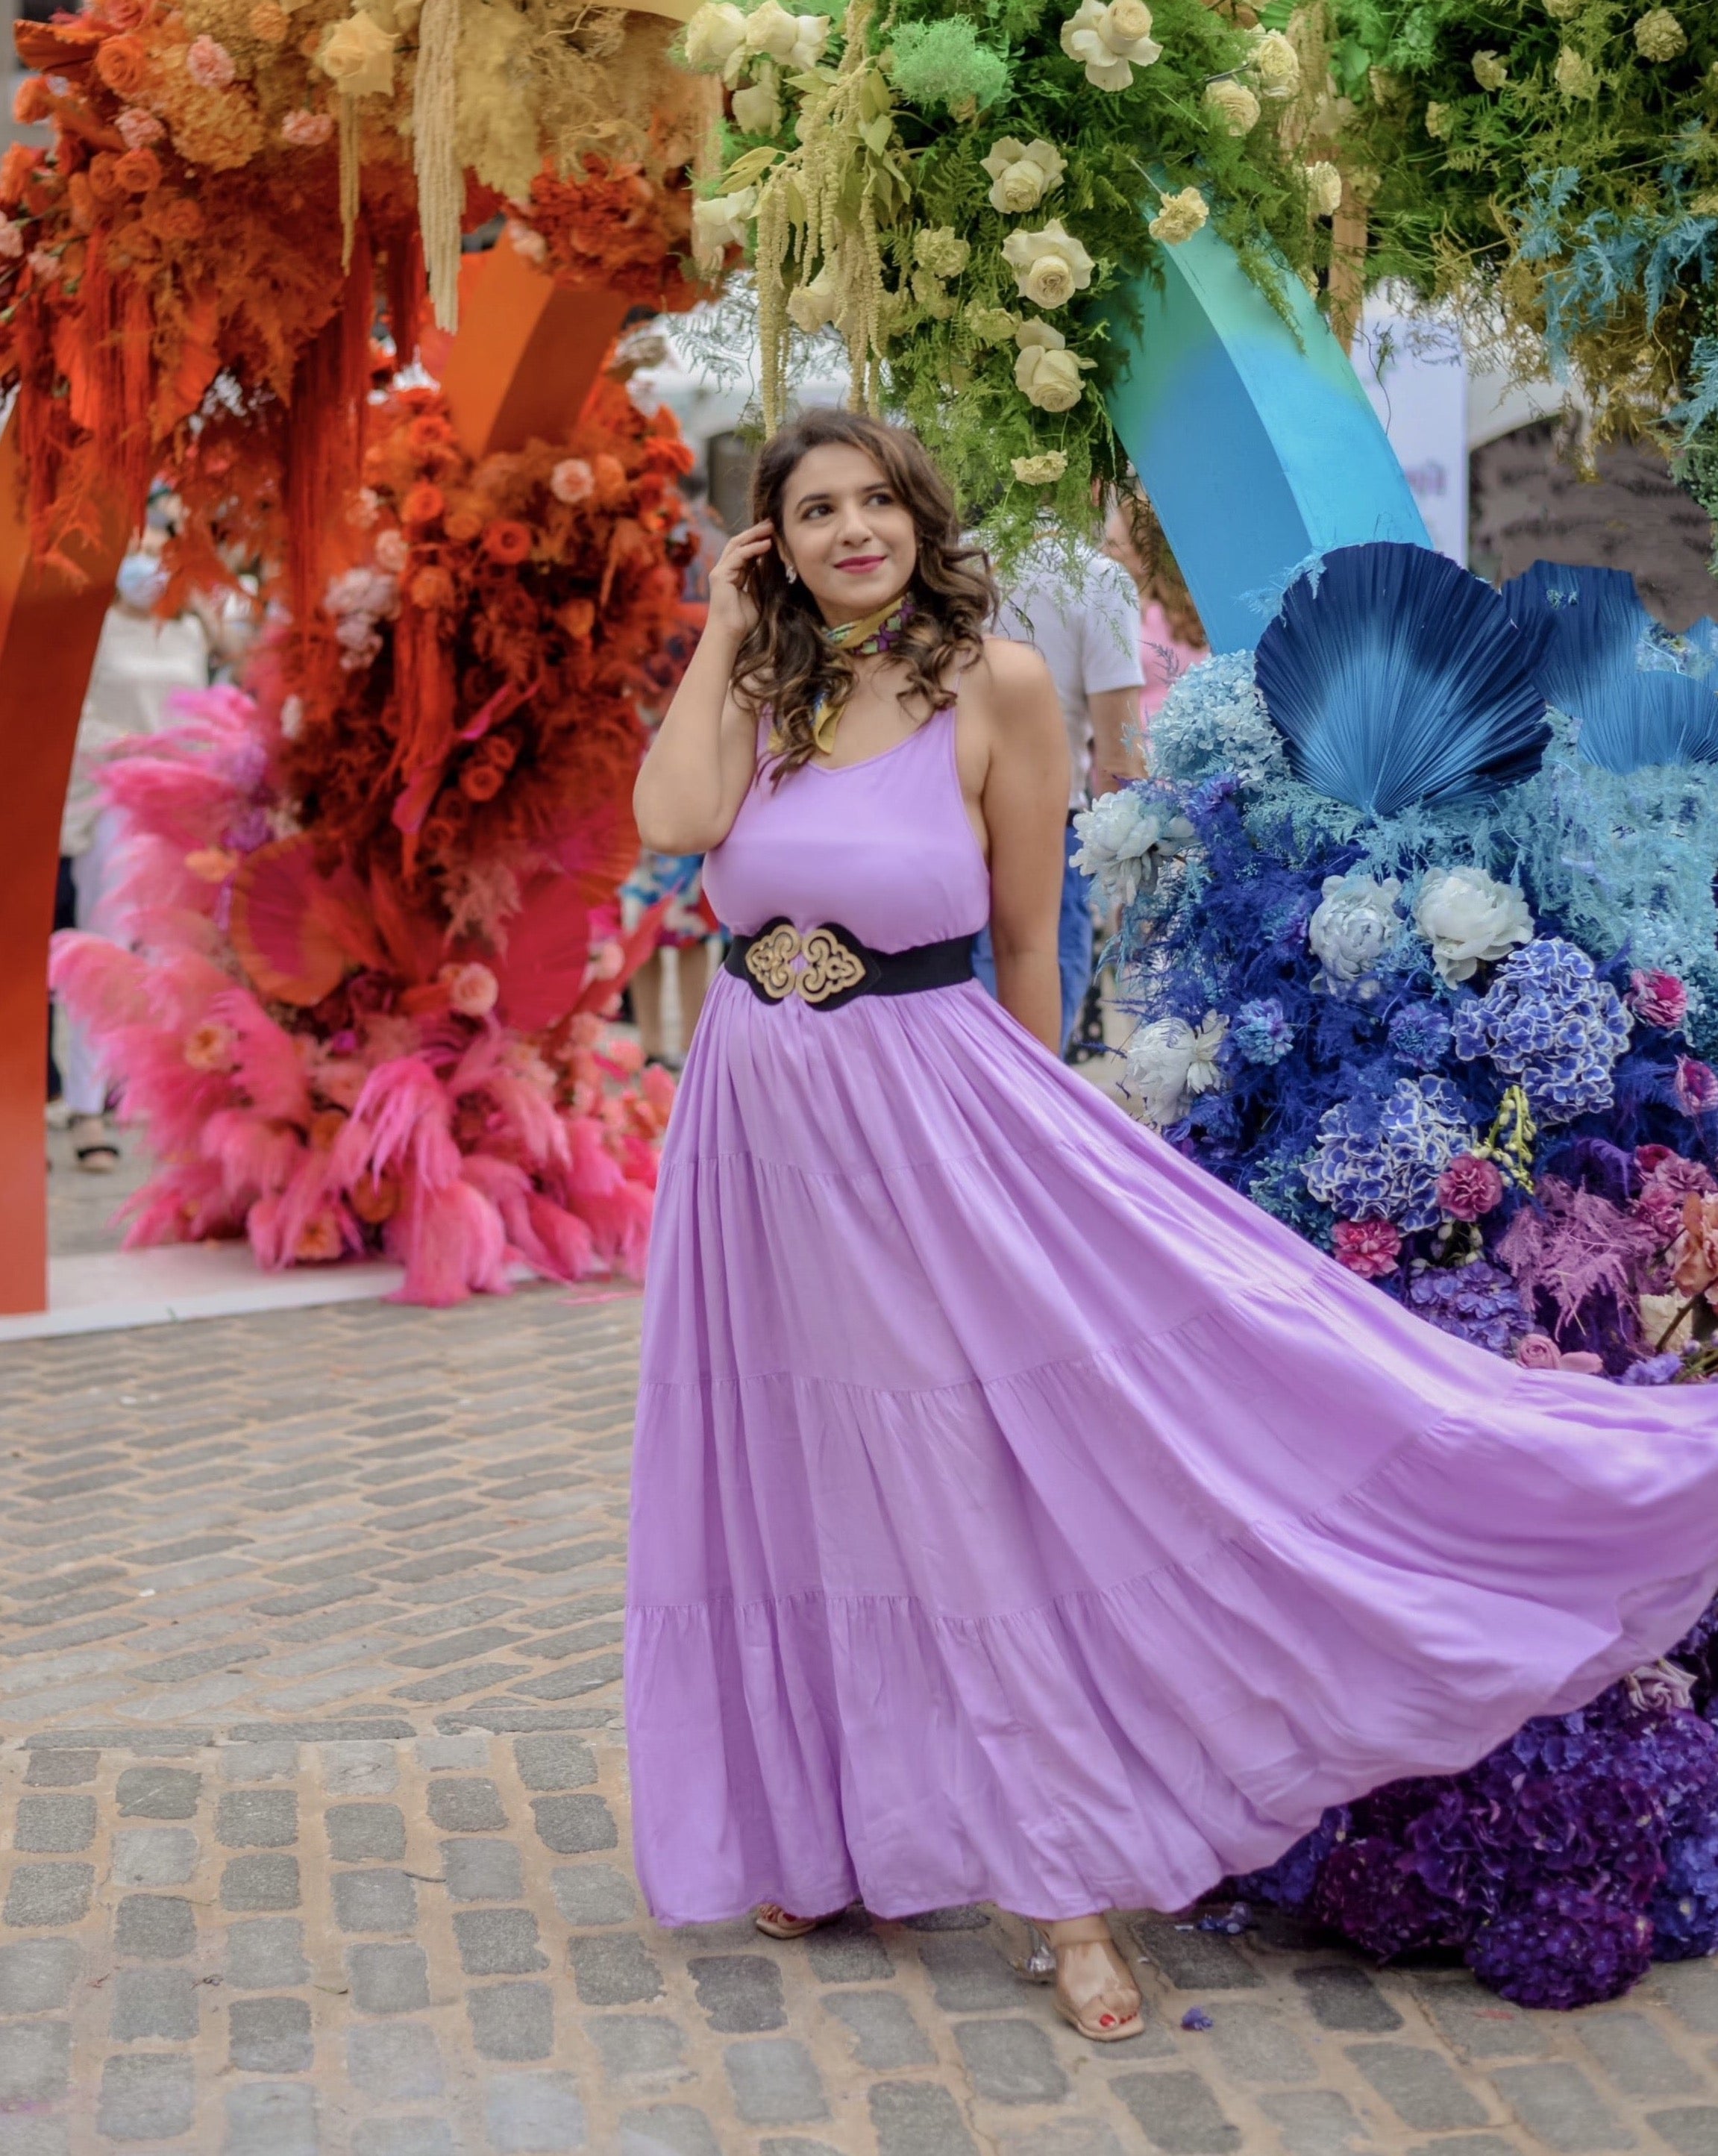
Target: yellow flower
[
  {"x": 1233, "y": 104},
  {"x": 1276, "y": 63},
  {"x": 1022, "y": 174},
  {"x": 1111, "y": 40},
  {"x": 814, "y": 306},
  {"x": 940, "y": 249},
  {"x": 1050, "y": 266},
  {"x": 1437, "y": 122},
  {"x": 358, "y": 57},
  {"x": 720, "y": 222},
  {"x": 1574, "y": 75},
  {"x": 1180, "y": 217},
  {"x": 1044, "y": 469},
  {"x": 713, "y": 36},
  {"x": 1490, "y": 72},
  {"x": 1324, "y": 184},
  {"x": 991, "y": 324},
  {"x": 1046, "y": 373},
  {"x": 758, "y": 111},
  {"x": 1659, "y": 36}
]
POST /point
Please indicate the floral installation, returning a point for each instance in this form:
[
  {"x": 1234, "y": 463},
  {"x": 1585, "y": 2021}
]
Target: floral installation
[{"x": 1060, "y": 145}]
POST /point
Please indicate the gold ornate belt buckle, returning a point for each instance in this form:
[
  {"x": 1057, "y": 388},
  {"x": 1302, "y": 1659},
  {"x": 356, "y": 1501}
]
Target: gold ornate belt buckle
[{"x": 812, "y": 967}]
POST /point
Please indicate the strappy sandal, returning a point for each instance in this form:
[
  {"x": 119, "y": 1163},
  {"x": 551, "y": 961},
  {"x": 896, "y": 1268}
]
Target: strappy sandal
[
  {"x": 98, "y": 1154},
  {"x": 776, "y": 1922},
  {"x": 1106, "y": 2017}
]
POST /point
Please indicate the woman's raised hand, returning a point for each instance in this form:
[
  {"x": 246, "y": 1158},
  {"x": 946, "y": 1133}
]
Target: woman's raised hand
[{"x": 732, "y": 609}]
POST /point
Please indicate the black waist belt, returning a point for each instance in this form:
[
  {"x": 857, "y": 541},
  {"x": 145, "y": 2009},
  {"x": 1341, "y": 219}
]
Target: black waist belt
[{"x": 827, "y": 967}]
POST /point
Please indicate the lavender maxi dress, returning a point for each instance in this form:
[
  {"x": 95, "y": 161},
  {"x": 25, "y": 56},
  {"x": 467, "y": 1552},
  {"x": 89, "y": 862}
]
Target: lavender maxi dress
[{"x": 1018, "y": 1514}]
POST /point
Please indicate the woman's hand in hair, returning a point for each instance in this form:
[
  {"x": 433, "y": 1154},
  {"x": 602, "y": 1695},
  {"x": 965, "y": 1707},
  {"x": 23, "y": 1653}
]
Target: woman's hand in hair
[{"x": 733, "y": 610}]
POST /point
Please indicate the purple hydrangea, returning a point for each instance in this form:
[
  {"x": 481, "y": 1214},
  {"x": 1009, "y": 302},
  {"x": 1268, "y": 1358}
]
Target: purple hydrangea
[
  {"x": 1548, "y": 1020},
  {"x": 1684, "y": 1913},
  {"x": 1287, "y": 1883},
  {"x": 1477, "y": 1302},
  {"x": 1260, "y": 1032},
  {"x": 1381, "y": 1160},
  {"x": 1655, "y": 1370},
  {"x": 1366, "y": 1891},
  {"x": 1420, "y": 1036},
  {"x": 1566, "y": 1947}
]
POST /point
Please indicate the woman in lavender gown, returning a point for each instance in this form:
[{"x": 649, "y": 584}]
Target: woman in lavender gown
[{"x": 1019, "y": 1514}]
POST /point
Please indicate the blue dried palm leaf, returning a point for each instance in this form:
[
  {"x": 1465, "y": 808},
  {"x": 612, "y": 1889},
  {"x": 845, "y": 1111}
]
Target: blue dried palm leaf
[
  {"x": 1602, "y": 659},
  {"x": 1401, "y": 679}
]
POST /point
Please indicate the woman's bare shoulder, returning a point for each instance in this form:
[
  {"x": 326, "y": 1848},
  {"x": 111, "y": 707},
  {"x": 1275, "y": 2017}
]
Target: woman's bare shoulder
[{"x": 1006, "y": 677}]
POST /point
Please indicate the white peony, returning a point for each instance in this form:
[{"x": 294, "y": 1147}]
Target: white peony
[
  {"x": 1470, "y": 919},
  {"x": 1354, "y": 924},
  {"x": 1276, "y": 63},
  {"x": 1324, "y": 184},
  {"x": 713, "y": 36},
  {"x": 1168, "y": 1063},
  {"x": 1125, "y": 844},
  {"x": 1022, "y": 174},
  {"x": 720, "y": 222},
  {"x": 1046, "y": 373},
  {"x": 1050, "y": 266},
  {"x": 758, "y": 111},
  {"x": 797, "y": 41},
  {"x": 1179, "y": 217},
  {"x": 1110, "y": 41}
]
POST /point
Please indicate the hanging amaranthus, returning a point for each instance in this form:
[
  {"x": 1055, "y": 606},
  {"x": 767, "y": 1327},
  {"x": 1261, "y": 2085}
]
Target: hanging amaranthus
[{"x": 441, "y": 178}]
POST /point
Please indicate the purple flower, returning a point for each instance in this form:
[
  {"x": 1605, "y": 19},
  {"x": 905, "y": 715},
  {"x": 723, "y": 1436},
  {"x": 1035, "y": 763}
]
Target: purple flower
[
  {"x": 1260, "y": 1033},
  {"x": 1477, "y": 1301},
  {"x": 1658, "y": 999},
  {"x": 1656, "y": 1370},
  {"x": 1420, "y": 1036},
  {"x": 1196, "y": 2017},
  {"x": 1367, "y": 1891},
  {"x": 1566, "y": 1947}
]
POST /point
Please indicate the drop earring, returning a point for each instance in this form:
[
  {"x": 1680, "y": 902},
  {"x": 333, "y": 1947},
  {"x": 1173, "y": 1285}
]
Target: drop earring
[{"x": 793, "y": 573}]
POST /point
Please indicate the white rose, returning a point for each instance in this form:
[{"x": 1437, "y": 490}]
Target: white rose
[
  {"x": 797, "y": 40},
  {"x": 1046, "y": 373},
  {"x": 1124, "y": 843},
  {"x": 1110, "y": 41},
  {"x": 808, "y": 45},
  {"x": 1470, "y": 919},
  {"x": 357, "y": 56},
  {"x": 1276, "y": 63},
  {"x": 720, "y": 222},
  {"x": 713, "y": 36},
  {"x": 1168, "y": 1062},
  {"x": 1022, "y": 174},
  {"x": 1050, "y": 266},
  {"x": 1233, "y": 104},
  {"x": 1354, "y": 924},
  {"x": 814, "y": 305},
  {"x": 1324, "y": 184},
  {"x": 758, "y": 111}
]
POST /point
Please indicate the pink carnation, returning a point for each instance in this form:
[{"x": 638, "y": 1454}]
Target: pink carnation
[
  {"x": 1670, "y": 1180},
  {"x": 1538, "y": 1351},
  {"x": 1370, "y": 1248},
  {"x": 307, "y": 130},
  {"x": 1657, "y": 1000},
  {"x": 1696, "y": 1086},
  {"x": 138, "y": 129},
  {"x": 571, "y": 480},
  {"x": 12, "y": 239},
  {"x": 1470, "y": 1187},
  {"x": 209, "y": 64},
  {"x": 472, "y": 989},
  {"x": 46, "y": 265}
]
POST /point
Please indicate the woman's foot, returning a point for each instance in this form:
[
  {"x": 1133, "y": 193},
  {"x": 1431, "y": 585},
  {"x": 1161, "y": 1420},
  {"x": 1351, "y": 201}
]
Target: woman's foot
[
  {"x": 776, "y": 1922},
  {"x": 94, "y": 1150},
  {"x": 1094, "y": 1993}
]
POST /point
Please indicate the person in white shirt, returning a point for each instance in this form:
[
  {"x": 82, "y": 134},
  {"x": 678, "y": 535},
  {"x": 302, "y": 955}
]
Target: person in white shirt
[
  {"x": 1084, "y": 622},
  {"x": 139, "y": 661}
]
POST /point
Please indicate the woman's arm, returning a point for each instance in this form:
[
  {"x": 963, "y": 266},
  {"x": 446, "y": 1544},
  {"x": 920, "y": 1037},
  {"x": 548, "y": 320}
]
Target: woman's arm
[
  {"x": 1025, "y": 804},
  {"x": 701, "y": 762}
]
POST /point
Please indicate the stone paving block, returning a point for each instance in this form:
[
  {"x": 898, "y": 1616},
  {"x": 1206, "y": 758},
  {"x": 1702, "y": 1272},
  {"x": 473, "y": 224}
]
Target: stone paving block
[
  {"x": 387, "y": 1979},
  {"x": 37, "y": 1975},
  {"x": 739, "y": 1994},
  {"x": 153, "y": 1855},
  {"x": 498, "y": 1942},
  {"x": 1061, "y": 2137},
  {"x": 49, "y": 1894},
  {"x": 395, "y": 2062},
  {"x": 638, "y": 2047},
  {"x": 465, "y": 1749},
  {"x": 374, "y": 1902},
  {"x": 147, "y": 2095},
  {"x": 849, "y": 1952},
  {"x": 403, "y": 2137},
  {"x": 1558, "y": 2103},
  {"x": 1177, "y": 2113},
  {"x": 256, "y": 1818},
  {"x": 1345, "y": 1999},
  {"x": 1318, "y": 2122},
  {"x": 61, "y": 1770},
  {"x": 361, "y": 1834},
  {"x": 1690, "y": 2129},
  {"x": 1192, "y": 1960},
  {"x": 794, "y": 2144},
  {"x": 269, "y": 2036},
  {"x": 271, "y": 2119},
  {"x": 1467, "y": 2144},
  {"x": 160, "y": 2003},
  {"x": 466, "y": 1807},
  {"x": 484, "y": 1871},
  {"x": 533, "y": 2114},
  {"x": 614, "y": 1971},
  {"x": 258, "y": 1763},
  {"x": 512, "y": 2020},
  {"x": 264, "y": 1954},
  {"x": 1011, "y": 2061},
  {"x": 56, "y": 1826},
  {"x": 1476, "y": 2023},
  {"x": 1419, "y": 2085},
  {"x": 667, "y": 2130},
  {"x": 555, "y": 1760},
  {"x": 590, "y": 1893},
  {"x": 154, "y": 1928},
  {"x": 35, "y": 2063},
  {"x": 1636, "y": 2055},
  {"x": 573, "y": 1826},
  {"x": 917, "y": 2118},
  {"x": 968, "y": 1974},
  {"x": 160, "y": 1793},
  {"x": 885, "y": 2037},
  {"x": 1255, "y": 2044},
  {"x": 774, "y": 2081},
  {"x": 38, "y": 2137},
  {"x": 359, "y": 1769},
  {"x": 260, "y": 1882}
]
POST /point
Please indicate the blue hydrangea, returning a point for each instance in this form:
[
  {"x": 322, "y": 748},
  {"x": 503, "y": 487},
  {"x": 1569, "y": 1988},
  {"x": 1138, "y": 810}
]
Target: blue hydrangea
[
  {"x": 1260, "y": 1032},
  {"x": 1380, "y": 1160},
  {"x": 1477, "y": 1302},
  {"x": 1655, "y": 1370},
  {"x": 1548, "y": 1020},
  {"x": 1419, "y": 1036}
]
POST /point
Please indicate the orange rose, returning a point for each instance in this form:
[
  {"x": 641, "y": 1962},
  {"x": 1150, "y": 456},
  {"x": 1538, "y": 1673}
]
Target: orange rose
[
  {"x": 610, "y": 475},
  {"x": 33, "y": 102},
  {"x": 123, "y": 64},
  {"x": 16, "y": 168},
  {"x": 179, "y": 217},
  {"x": 82, "y": 197},
  {"x": 433, "y": 586},
  {"x": 463, "y": 526},
  {"x": 427, "y": 431},
  {"x": 423, "y": 505},
  {"x": 137, "y": 171},
  {"x": 507, "y": 540},
  {"x": 325, "y": 1126},
  {"x": 129, "y": 14},
  {"x": 102, "y": 184},
  {"x": 482, "y": 782}
]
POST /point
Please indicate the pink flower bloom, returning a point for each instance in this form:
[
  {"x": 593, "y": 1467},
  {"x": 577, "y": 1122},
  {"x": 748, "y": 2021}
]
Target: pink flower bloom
[
  {"x": 571, "y": 480},
  {"x": 12, "y": 239},
  {"x": 211, "y": 1047},
  {"x": 307, "y": 130},
  {"x": 44, "y": 262},
  {"x": 1671, "y": 1179},
  {"x": 1538, "y": 1351},
  {"x": 1470, "y": 1187},
  {"x": 1650, "y": 1159},
  {"x": 1657, "y": 1000},
  {"x": 1696, "y": 1086},
  {"x": 209, "y": 64},
  {"x": 138, "y": 129},
  {"x": 472, "y": 989},
  {"x": 1370, "y": 1248}
]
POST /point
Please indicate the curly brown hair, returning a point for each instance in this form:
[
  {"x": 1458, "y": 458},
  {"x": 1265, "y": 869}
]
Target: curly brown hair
[{"x": 786, "y": 663}]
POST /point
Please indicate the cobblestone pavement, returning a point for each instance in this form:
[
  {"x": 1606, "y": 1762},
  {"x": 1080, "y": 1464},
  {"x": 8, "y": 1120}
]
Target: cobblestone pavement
[{"x": 315, "y": 1826}]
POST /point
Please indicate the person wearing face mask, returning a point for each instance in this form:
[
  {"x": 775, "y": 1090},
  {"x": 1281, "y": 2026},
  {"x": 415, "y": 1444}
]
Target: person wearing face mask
[{"x": 140, "y": 661}]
